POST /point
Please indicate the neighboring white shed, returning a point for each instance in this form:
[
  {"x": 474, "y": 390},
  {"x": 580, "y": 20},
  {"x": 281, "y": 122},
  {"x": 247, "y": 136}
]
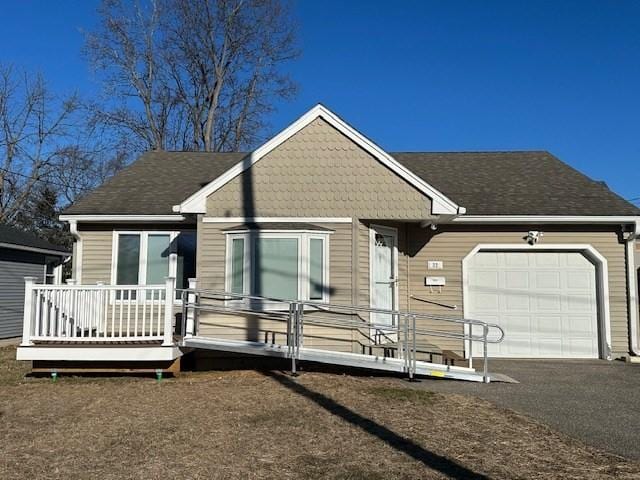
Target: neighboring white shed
[{"x": 23, "y": 255}]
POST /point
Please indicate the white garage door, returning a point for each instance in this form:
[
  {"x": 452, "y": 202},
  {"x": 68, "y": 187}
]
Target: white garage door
[{"x": 545, "y": 301}]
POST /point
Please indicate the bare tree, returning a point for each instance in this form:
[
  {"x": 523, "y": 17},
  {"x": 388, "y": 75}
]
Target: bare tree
[
  {"x": 48, "y": 155},
  {"x": 127, "y": 49},
  {"x": 35, "y": 128},
  {"x": 193, "y": 74}
]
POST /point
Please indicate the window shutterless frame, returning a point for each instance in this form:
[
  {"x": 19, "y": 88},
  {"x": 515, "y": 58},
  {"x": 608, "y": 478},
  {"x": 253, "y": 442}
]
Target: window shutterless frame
[
  {"x": 304, "y": 260},
  {"x": 144, "y": 240}
]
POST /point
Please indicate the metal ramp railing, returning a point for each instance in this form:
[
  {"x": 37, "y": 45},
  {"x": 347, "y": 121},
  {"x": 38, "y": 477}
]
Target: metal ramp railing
[{"x": 401, "y": 334}]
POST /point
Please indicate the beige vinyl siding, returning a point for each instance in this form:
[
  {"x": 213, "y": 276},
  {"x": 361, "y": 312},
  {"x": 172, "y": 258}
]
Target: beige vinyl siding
[
  {"x": 211, "y": 275},
  {"x": 319, "y": 172},
  {"x": 96, "y": 256},
  {"x": 97, "y": 247},
  {"x": 452, "y": 244}
]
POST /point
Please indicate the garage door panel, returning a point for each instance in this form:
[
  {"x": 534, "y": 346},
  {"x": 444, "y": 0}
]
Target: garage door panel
[
  {"x": 579, "y": 325},
  {"x": 548, "y": 302},
  {"x": 579, "y": 347},
  {"x": 516, "y": 324},
  {"x": 546, "y": 280},
  {"x": 548, "y": 346},
  {"x": 545, "y": 301},
  {"x": 484, "y": 279},
  {"x": 545, "y": 259},
  {"x": 486, "y": 302},
  {"x": 579, "y": 280},
  {"x": 580, "y": 303},
  {"x": 548, "y": 325},
  {"x": 520, "y": 345},
  {"x": 488, "y": 259},
  {"x": 517, "y": 302},
  {"x": 514, "y": 260},
  {"x": 516, "y": 279}
]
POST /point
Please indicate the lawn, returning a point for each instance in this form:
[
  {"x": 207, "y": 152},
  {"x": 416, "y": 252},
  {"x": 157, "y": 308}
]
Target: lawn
[{"x": 251, "y": 424}]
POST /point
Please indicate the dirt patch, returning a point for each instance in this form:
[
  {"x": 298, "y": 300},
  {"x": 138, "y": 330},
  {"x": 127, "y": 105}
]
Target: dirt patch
[{"x": 266, "y": 424}]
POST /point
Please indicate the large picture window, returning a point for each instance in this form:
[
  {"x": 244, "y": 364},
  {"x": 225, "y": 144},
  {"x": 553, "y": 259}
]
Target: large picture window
[
  {"x": 147, "y": 258},
  {"x": 285, "y": 265}
]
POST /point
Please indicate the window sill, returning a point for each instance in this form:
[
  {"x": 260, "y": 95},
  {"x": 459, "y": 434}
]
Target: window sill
[{"x": 268, "y": 305}]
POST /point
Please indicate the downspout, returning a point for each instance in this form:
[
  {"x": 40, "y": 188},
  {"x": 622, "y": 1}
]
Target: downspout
[
  {"x": 77, "y": 251},
  {"x": 632, "y": 289}
]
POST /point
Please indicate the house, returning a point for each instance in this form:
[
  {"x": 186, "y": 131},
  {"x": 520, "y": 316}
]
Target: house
[
  {"x": 22, "y": 255},
  {"x": 322, "y": 215}
]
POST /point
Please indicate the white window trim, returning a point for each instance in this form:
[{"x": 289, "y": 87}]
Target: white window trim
[
  {"x": 142, "y": 264},
  {"x": 304, "y": 260}
]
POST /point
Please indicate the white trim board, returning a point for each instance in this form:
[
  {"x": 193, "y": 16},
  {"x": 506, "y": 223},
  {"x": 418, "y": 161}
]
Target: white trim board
[
  {"x": 440, "y": 204},
  {"x": 121, "y": 218},
  {"x": 528, "y": 219},
  {"x": 602, "y": 288},
  {"x": 98, "y": 353},
  {"x": 277, "y": 220}
]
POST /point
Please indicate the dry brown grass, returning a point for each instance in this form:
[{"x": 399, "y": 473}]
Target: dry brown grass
[{"x": 268, "y": 425}]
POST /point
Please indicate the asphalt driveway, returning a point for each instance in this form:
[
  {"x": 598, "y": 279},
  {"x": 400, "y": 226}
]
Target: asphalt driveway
[{"x": 595, "y": 401}]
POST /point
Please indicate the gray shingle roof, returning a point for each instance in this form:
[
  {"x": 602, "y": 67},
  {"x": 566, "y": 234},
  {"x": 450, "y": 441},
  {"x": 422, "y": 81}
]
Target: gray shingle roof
[
  {"x": 515, "y": 183},
  {"x": 154, "y": 183},
  {"x": 15, "y": 236},
  {"x": 485, "y": 183}
]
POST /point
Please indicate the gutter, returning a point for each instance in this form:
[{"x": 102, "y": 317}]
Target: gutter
[
  {"x": 546, "y": 219},
  {"x": 632, "y": 288}
]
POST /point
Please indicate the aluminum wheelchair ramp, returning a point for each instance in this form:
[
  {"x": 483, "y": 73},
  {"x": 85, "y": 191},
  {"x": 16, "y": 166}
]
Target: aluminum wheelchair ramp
[
  {"x": 296, "y": 315},
  {"x": 354, "y": 360}
]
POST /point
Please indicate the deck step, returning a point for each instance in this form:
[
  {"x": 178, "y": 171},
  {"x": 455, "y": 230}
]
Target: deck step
[{"x": 373, "y": 362}]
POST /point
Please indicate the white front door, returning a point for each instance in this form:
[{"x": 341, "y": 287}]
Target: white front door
[{"x": 383, "y": 261}]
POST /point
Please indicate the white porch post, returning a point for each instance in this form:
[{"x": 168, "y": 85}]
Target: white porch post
[
  {"x": 27, "y": 322},
  {"x": 169, "y": 296},
  {"x": 191, "y": 312}
]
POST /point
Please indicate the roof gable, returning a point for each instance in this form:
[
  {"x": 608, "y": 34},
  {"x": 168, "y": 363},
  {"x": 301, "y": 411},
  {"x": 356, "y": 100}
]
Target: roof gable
[
  {"x": 440, "y": 204},
  {"x": 319, "y": 172}
]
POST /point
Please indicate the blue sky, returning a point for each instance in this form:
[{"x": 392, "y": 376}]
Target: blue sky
[{"x": 429, "y": 75}]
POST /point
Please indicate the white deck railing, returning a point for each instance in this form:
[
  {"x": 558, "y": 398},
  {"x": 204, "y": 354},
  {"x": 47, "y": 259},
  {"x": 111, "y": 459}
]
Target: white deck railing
[{"x": 98, "y": 313}]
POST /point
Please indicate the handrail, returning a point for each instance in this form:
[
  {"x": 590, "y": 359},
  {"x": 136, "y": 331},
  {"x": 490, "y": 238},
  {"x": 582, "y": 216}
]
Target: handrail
[
  {"x": 294, "y": 314},
  {"x": 433, "y": 302},
  {"x": 329, "y": 306}
]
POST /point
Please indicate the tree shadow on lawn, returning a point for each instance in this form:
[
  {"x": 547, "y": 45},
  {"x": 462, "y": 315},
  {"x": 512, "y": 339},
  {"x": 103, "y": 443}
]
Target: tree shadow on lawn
[{"x": 430, "y": 459}]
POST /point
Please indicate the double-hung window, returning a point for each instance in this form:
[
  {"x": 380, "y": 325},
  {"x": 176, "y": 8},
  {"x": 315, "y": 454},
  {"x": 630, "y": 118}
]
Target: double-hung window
[
  {"x": 279, "y": 265},
  {"x": 148, "y": 257}
]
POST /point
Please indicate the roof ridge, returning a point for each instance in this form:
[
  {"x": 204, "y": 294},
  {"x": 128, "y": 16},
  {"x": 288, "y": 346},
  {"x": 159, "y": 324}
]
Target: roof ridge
[
  {"x": 196, "y": 151},
  {"x": 472, "y": 151}
]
